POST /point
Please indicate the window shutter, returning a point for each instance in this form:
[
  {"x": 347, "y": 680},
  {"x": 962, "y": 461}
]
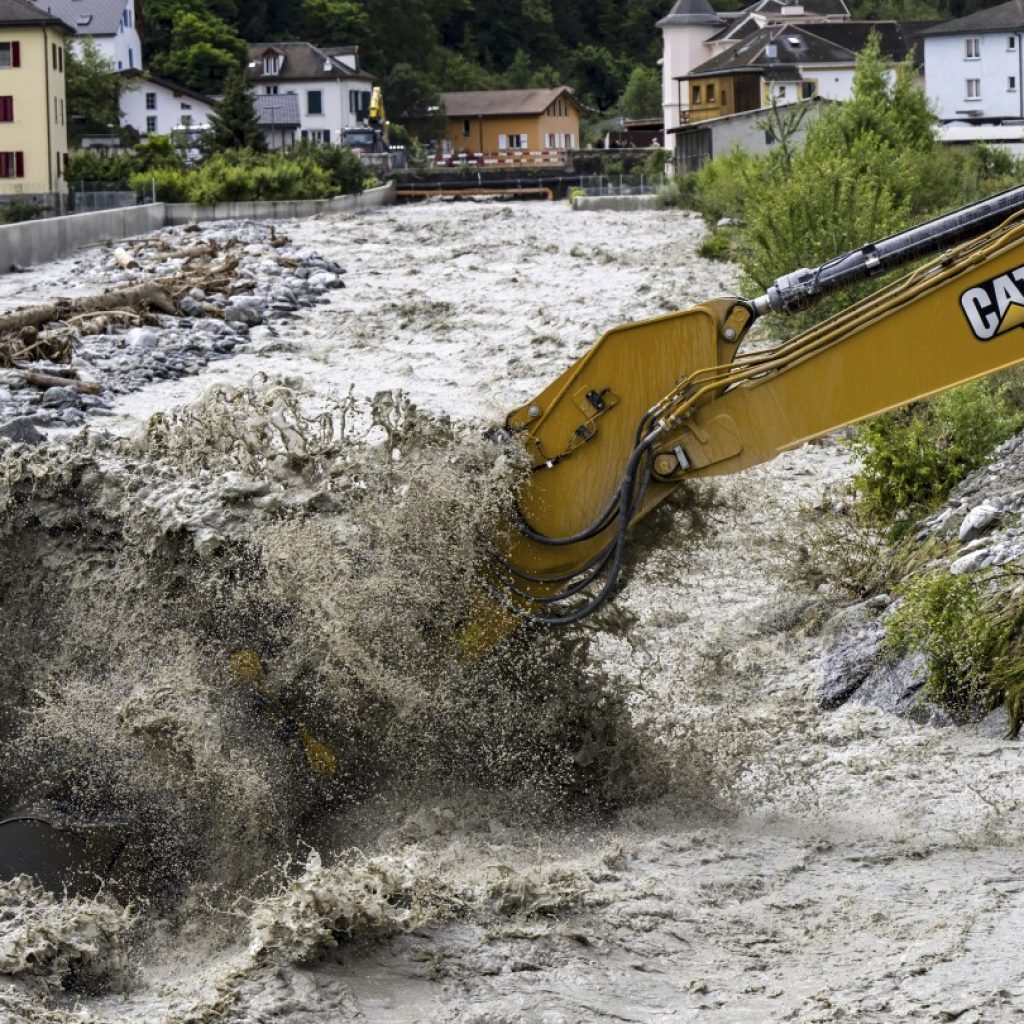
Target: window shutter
[
  {"x": 15, "y": 54},
  {"x": 3, "y": 165},
  {"x": 19, "y": 165},
  {"x": 502, "y": 142}
]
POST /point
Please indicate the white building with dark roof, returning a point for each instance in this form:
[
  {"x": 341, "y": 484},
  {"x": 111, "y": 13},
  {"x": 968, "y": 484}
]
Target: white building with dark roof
[
  {"x": 156, "y": 106},
  {"x": 112, "y": 25},
  {"x": 333, "y": 92},
  {"x": 973, "y": 68},
  {"x": 693, "y": 33}
]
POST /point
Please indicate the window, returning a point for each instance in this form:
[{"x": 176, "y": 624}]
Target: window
[
  {"x": 60, "y": 59},
  {"x": 974, "y": 88},
  {"x": 53, "y": 56},
  {"x": 271, "y": 90},
  {"x": 972, "y": 49},
  {"x": 722, "y": 100},
  {"x": 780, "y": 91},
  {"x": 56, "y": 113},
  {"x": 61, "y": 111},
  {"x": 12, "y": 165},
  {"x": 6, "y": 108},
  {"x": 807, "y": 90},
  {"x": 314, "y": 102},
  {"x": 359, "y": 104},
  {"x": 271, "y": 63},
  {"x": 151, "y": 101},
  {"x": 696, "y": 95},
  {"x": 1011, "y": 42},
  {"x": 150, "y": 125},
  {"x": 517, "y": 142},
  {"x": 10, "y": 55},
  {"x": 465, "y": 127},
  {"x": 186, "y": 106},
  {"x": 131, "y": 57},
  {"x": 1011, "y": 83}
]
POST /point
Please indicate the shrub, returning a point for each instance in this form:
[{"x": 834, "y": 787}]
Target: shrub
[
  {"x": 912, "y": 458},
  {"x": 717, "y": 245},
  {"x": 721, "y": 187},
  {"x": 969, "y": 630},
  {"x": 945, "y": 618},
  {"x": 18, "y": 210}
]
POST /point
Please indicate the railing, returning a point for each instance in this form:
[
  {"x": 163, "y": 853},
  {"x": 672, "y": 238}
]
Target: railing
[
  {"x": 503, "y": 158},
  {"x": 636, "y": 184},
  {"x": 92, "y": 196}
]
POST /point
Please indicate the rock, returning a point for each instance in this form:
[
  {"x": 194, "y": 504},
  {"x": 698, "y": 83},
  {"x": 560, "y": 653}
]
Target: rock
[
  {"x": 238, "y": 485},
  {"x": 22, "y": 430},
  {"x": 59, "y": 398},
  {"x": 243, "y": 314},
  {"x": 893, "y": 686},
  {"x": 196, "y": 294},
  {"x": 978, "y": 520},
  {"x": 191, "y": 307},
  {"x": 970, "y": 562},
  {"x": 852, "y": 655},
  {"x": 141, "y": 339}
]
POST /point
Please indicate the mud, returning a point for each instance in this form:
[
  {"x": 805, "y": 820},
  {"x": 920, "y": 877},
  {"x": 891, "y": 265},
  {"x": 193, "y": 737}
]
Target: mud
[{"x": 648, "y": 820}]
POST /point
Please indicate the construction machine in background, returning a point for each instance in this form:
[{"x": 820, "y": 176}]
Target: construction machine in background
[
  {"x": 662, "y": 401},
  {"x": 372, "y": 136}
]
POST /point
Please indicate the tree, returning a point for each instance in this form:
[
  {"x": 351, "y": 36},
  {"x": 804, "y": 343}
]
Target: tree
[
  {"x": 93, "y": 92},
  {"x": 413, "y": 101},
  {"x": 234, "y": 121},
  {"x": 642, "y": 95},
  {"x": 329, "y": 22},
  {"x": 204, "y": 52}
]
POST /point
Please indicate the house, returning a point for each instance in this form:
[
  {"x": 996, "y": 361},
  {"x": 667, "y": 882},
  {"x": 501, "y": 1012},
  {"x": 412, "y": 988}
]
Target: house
[
  {"x": 512, "y": 125},
  {"x": 972, "y": 65},
  {"x": 33, "y": 116},
  {"x": 156, "y": 106},
  {"x": 693, "y": 32},
  {"x": 785, "y": 63},
  {"x": 332, "y": 90},
  {"x": 113, "y": 25},
  {"x": 696, "y": 142},
  {"x": 279, "y": 118}
]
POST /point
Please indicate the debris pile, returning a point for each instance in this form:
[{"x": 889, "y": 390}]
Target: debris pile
[{"x": 162, "y": 307}]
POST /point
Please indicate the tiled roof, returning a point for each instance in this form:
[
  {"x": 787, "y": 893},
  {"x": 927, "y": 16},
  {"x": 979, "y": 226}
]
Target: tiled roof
[
  {"x": 821, "y": 42},
  {"x": 818, "y": 8},
  {"x": 1008, "y": 16},
  {"x": 183, "y": 90},
  {"x": 280, "y": 111},
  {"x": 302, "y": 62},
  {"x": 87, "y": 17},
  {"x": 503, "y": 102},
  {"x": 21, "y": 12}
]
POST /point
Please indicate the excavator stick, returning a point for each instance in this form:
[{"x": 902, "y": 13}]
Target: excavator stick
[{"x": 662, "y": 401}]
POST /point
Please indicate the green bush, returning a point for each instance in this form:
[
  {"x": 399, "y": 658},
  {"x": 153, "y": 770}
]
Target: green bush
[
  {"x": 721, "y": 187},
  {"x": 911, "y": 458},
  {"x": 946, "y": 619},
  {"x": 18, "y": 210},
  {"x": 307, "y": 172},
  {"x": 717, "y": 245},
  {"x": 969, "y": 630}
]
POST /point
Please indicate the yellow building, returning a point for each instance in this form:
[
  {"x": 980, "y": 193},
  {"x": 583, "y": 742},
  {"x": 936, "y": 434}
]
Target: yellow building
[
  {"x": 33, "y": 106},
  {"x": 517, "y": 125}
]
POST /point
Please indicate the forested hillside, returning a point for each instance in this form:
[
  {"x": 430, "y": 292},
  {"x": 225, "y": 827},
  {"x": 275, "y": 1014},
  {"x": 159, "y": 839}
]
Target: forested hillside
[{"x": 418, "y": 47}]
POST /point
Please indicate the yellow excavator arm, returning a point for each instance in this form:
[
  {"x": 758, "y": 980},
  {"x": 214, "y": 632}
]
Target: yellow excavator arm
[{"x": 661, "y": 401}]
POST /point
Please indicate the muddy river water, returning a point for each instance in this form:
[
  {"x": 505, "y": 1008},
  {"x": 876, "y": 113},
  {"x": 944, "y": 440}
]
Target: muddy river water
[{"x": 715, "y": 849}]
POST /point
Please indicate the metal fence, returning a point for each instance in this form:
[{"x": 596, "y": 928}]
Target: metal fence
[
  {"x": 86, "y": 200},
  {"x": 636, "y": 184}
]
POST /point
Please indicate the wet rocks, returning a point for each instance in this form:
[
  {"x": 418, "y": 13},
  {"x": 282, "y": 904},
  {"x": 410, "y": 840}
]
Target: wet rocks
[{"x": 263, "y": 281}]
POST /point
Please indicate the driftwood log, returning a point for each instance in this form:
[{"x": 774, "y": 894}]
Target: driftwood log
[{"x": 146, "y": 295}]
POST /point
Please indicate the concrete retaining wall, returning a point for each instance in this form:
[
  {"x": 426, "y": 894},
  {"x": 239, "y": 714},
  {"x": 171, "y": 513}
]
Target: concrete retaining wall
[
  {"x": 615, "y": 202},
  {"x": 291, "y": 209},
  {"x": 36, "y": 241}
]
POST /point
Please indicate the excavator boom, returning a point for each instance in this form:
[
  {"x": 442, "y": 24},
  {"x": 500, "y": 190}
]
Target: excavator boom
[{"x": 662, "y": 401}]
